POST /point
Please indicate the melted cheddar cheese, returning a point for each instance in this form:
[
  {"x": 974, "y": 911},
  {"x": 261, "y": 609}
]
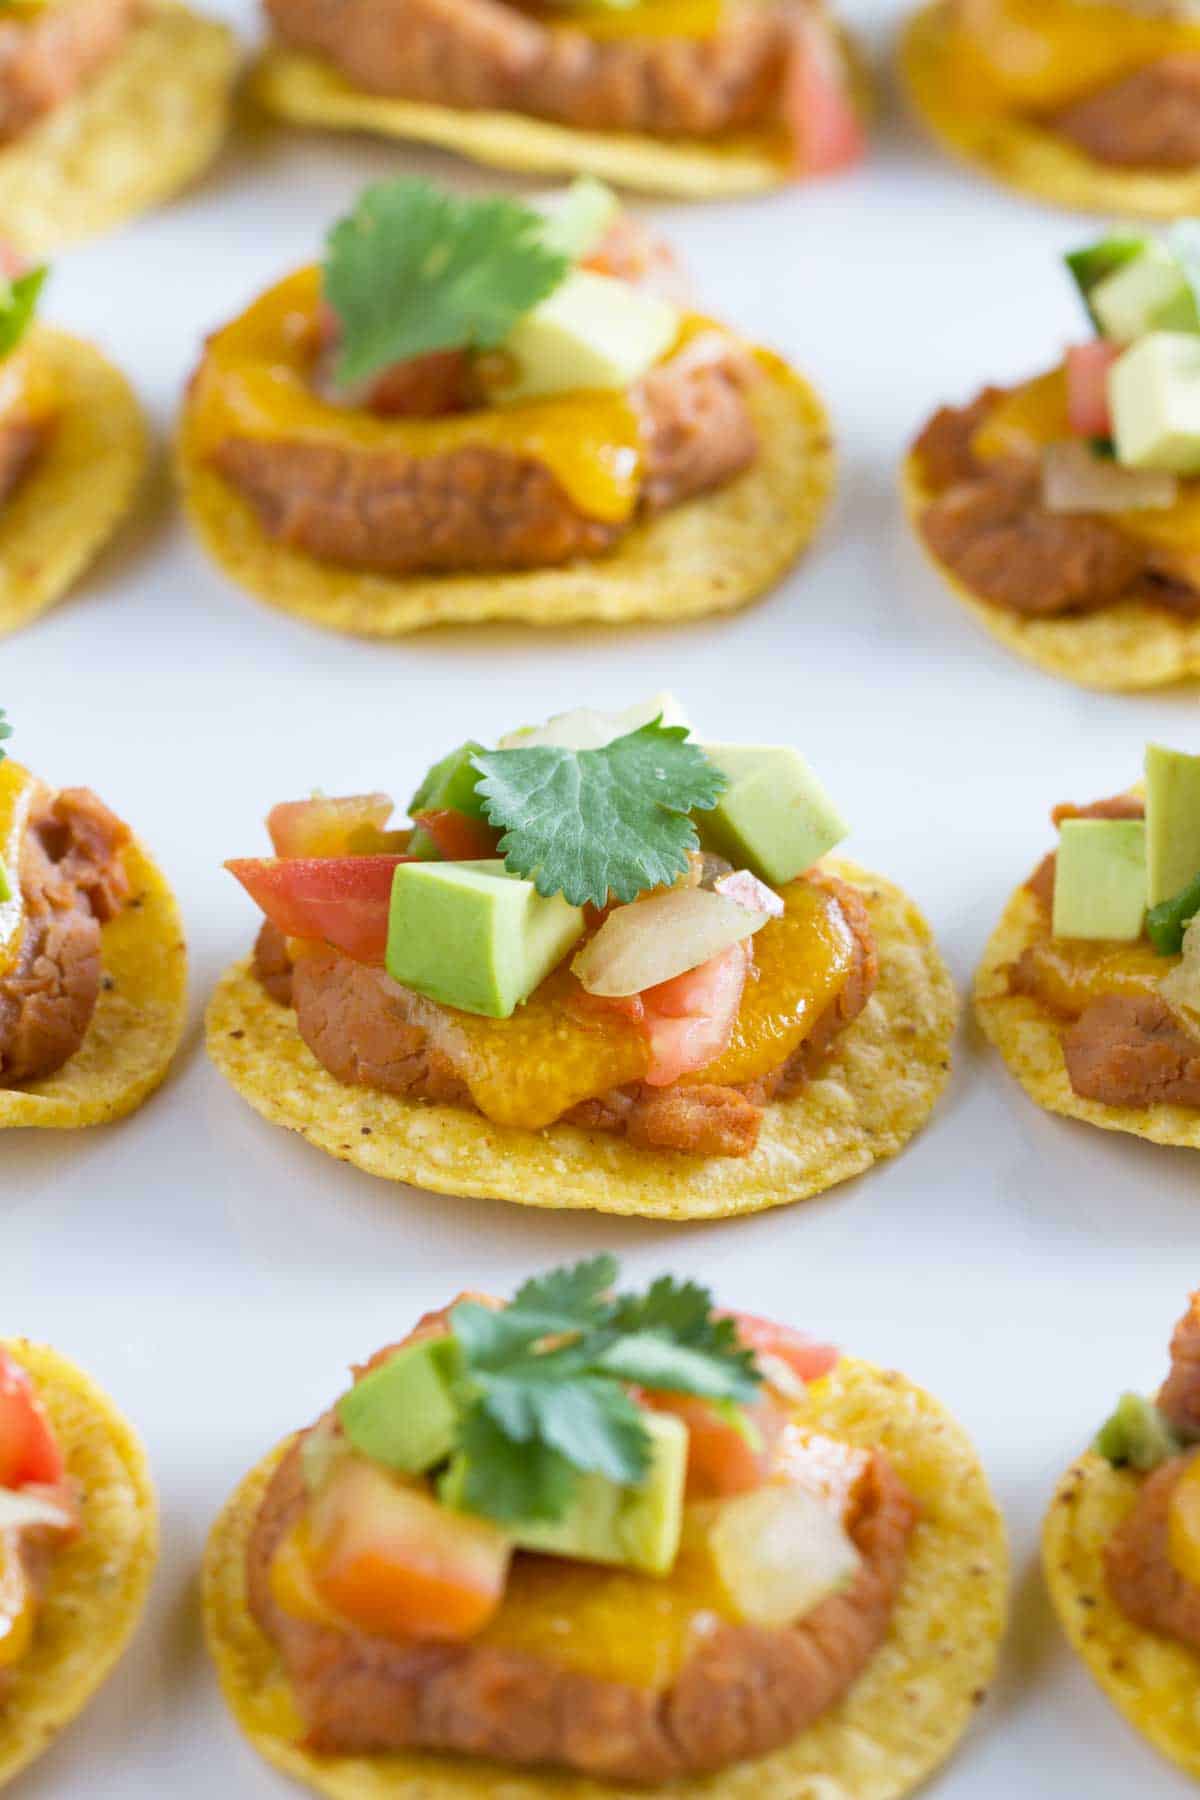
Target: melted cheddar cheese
[
  {"x": 17, "y": 790},
  {"x": 27, "y": 391},
  {"x": 255, "y": 382},
  {"x": 694, "y": 19},
  {"x": 17, "y": 1602},
  {"x": 530, "y": 1069},
  {"x": 1036, "y": 56}
]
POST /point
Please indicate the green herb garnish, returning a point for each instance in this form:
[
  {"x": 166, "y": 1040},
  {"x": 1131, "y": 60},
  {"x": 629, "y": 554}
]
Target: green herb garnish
[
  {"x": 413, "y": 269},
  {"x": 1136, "y": 1435},
  {"x": 6, "y": 731},
  {"x": 593, "y": 823},
  {"x": 18, "y": 303},
  {"x": 547, "y": 1376},
  {"x": 1167, "y": 922}
]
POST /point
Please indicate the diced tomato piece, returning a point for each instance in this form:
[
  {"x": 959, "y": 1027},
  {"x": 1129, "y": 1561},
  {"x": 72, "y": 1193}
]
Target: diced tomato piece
[
  {"x": 1087, "y": 387},
  {"x": 818, "y": 108},
  {"x": 326, "y": 825},
  {"x": 11, "y": 264},
  {"x": 338, "y": 900},
  {"x": 631, "y": 251},
  {"x": 29, "y": 1452},
  {"x": 459, "y": 838},
  {"x": 806, "y": 1357},
  {"x": 725, "y": 1455},
  {"x": 393, "y": 1561},
  {"x": 690, "y": 1019}
]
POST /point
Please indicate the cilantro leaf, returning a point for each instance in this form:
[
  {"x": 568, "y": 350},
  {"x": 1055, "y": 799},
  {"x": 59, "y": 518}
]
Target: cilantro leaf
[
  {"x": 18, "y": 302},
  {"x": 6, "y": 731},
  {"x": 508, "y": 1480},
  {"x": 413, "y": 269},
  {"x": 545, "y": 1382},
  {"x": 593, "y": 823}
]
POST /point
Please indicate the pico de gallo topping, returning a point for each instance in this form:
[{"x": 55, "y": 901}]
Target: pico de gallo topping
[{"x": 37, "y": 1507}]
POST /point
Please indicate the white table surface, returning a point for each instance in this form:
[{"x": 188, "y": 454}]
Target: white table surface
[{"x": 217, "y": 1275}]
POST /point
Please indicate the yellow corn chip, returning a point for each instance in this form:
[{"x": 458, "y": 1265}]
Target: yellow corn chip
[
  {"x": 97, "y": 1585},
  {"x": 1024, "y": 155},
  {"x": 899, "y": 1723},
  {"x": 875, "y": 1090},
  {"x": 83, "y": 483}
]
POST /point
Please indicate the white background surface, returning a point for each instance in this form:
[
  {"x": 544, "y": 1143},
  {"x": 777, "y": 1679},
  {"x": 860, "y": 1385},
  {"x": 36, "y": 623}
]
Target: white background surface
[{"x": 217, "y": 1276}]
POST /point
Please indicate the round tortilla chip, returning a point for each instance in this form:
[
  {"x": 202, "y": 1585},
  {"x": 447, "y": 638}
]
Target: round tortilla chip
[
  {"x": 150, "y": 122},
  {"x": 1029, "y": 1038},
  {"x": 874, "y": 1092},
  {"x": 901, "y": 1720},
  {"x": 1026, "y": 156},
  {"x": 81, "y": 486},
  {"x": 97, "y": 1585},
  {"x": 709, "y": 555},
  {"x": 308, "y": 90},
  {"x": 1152, "y": 1680},
  {"x": 1123, "y": 647},
  {"x": 138, "y": 1021}
]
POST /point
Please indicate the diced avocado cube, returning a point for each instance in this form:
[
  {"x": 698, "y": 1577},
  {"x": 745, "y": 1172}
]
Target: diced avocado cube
[
  {"x": 591, "y": 332},
  {"x": 1100, "y": 879},
  {"x": 577, "y": 220},
  {"x": 451, "y": 782},
  {"x": 1136, "y": 1433},
  {"x": 1090, "y": 265},
  {"x": 403, "y": 1414},
  {"x": 1172, "y": 822},
  {"x": 606, "y": 1522},
  {"x": 1154, "y": 396},
  {"x": 774, "y": 817},
  {"x": 473, "y": 936},
  {"x": 1148, "y": 293}
]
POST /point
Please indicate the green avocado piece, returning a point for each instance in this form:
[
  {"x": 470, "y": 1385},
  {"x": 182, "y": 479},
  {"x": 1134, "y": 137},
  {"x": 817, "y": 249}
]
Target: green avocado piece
[
  {"x": 473, "y": 936},
  {"x": 1100, "y": 879},
  {"x": 5, "y": 889},
  {"x": 1090, "y": 265},
  {"x": 403, "y": 1414},
  {"x": 629, "y": 1527},
  {"x": 1172, "y": 822},
  {"x": 1149, "y": 292},
  {"x": 774, "y": 817},
  {"x": 577, "y": 220},
  {"x": 451, "y": 782},
  {"x": 1136, "y": 1433},
  {"x": 1154, "y": 397},
  {"x": 591, "y": 332}
]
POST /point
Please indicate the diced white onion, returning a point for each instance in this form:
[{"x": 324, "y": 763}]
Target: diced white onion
[
  {"x": 1075, "y": 480},
  {"x": 1180, "y": 987},
  {"x": 20, "y": 1509},
  {"x": 662, "y": 936},
  {"x": 780, "y": 1551},
  {"x": 586, "y": 729}
]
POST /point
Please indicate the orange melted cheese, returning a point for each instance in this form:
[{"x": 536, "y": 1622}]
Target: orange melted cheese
[
  {"x": 27, "y": 390},
  {"x": 1035, "y": 414},
  {"x": 529, "y": 1070},
  {"x": 255, "y": 382},
  {"x": 646, "y": 19},
  {"x": 1040, "y": 55},
  {"x": 17, "y": 790},
  {"x": 612, "y": 1624}
]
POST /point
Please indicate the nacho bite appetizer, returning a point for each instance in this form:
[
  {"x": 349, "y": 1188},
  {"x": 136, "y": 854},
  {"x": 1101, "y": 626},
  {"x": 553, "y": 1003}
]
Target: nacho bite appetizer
[
  {"x": 624, "y": 1537},
  {"x": 1092, "y": 104},
  {"x": 1065, "y": 512},
  {"x": 78, "y": 1544},
  {"x": 1089, "y": 985},
  {"x": 73, "y": 451},
  {"x": 1121, "y": 1549},
  {"x": 93, "y": 968},
  {"x": 696, "y": 98},
  {"x": 607, "y": 967},
  {"x": 478, "y": 409},
  {"x": 107, "y": 107}
]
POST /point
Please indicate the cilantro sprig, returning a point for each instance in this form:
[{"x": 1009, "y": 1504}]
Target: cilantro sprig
[
  {"x": 413, "y": 269},
  {"x": 18, "y": 303},
  {"x": 6, "y": 731},
  {"x": 593, "y": 823},
  {"x": 547, "y": 1381}
]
